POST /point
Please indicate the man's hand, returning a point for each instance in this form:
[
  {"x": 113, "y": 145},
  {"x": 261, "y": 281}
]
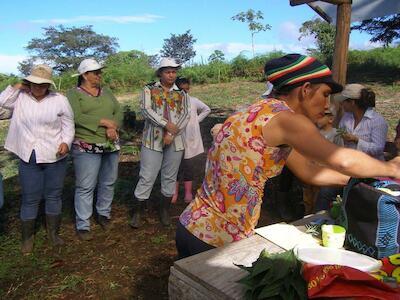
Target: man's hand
[
  {"x": 62, "y": 150},
  {"x": 22, "y": 86},
  {"x": 172, "y": 128}
]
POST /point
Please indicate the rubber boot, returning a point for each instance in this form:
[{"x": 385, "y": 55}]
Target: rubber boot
[
  {"x": 188, "y": 191},
  {"x": 53, "y": 227},
  {"x": 164, "y": 210},
  {"x": 28, "y": 236},
  {"x": 138, "y": 208},
  {"x": 175, "y": 196}
]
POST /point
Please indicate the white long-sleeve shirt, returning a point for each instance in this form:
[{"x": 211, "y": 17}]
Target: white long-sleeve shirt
[
  {"x": 371, "y": 132},
  {"x": 38, "y": 125},
  {"x": 192, "y": 135}
]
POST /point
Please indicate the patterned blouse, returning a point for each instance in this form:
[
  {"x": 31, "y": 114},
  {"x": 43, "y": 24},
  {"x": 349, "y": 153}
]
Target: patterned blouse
[
  {"x": 227, "y": 205},
  {"x": 158, "y": 107}
]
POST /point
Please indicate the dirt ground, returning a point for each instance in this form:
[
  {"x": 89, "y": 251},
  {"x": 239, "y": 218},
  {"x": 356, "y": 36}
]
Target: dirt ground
[{"x": 121, "y": 263}]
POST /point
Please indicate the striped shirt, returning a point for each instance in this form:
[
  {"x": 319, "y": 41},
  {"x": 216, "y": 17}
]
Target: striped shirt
[
  {"x": 371, "y": 132},
  {"x": 38, "y": 125},
  {"x": 158, "y": 107}
]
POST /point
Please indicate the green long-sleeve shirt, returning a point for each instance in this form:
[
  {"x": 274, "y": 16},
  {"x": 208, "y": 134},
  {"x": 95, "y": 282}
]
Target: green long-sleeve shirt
[{"x": 89, "y": 110}]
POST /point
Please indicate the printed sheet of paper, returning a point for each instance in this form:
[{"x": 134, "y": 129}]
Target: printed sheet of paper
[{"x": 286, "y": 236}]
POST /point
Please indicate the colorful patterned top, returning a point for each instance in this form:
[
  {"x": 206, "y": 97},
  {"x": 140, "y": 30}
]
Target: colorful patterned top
[
  {"x": 227, "y": 205},
  {"x": 158, "y": 107}
]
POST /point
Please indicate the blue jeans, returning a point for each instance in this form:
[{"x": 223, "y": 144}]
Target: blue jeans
[
  {"x": 43, "y": 180},
  {"x": 93, "y": 170}
]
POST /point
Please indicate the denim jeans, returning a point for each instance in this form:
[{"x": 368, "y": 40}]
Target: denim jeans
[
  {"x": 43, "y": 180},
  {"x": 93, "y": 170}
]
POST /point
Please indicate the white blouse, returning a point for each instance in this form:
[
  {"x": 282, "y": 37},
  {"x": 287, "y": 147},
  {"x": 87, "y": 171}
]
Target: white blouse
[
  {"x": 192, "y": 135},
  {"x": 38, "y": 125}
]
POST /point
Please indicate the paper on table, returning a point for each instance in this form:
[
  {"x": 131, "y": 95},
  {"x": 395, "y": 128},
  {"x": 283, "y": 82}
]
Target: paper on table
[{"x": 286, "y": 236}]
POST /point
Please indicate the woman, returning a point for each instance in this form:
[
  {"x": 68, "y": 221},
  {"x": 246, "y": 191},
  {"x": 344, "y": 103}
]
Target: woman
[
  {"x": 254, "y": 145},
  {"x": 95, "y": 150},
  {"x": 166, "y": 113},
  {"x": 40, "y": 134},
  {"x": 365, "y": 129}
]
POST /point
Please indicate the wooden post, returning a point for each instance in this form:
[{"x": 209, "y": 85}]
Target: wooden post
[{"x": 339, "y": 67}]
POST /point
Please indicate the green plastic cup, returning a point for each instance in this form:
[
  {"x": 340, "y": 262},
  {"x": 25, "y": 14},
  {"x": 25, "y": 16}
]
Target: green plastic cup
[{"x": 333, "y": 236}]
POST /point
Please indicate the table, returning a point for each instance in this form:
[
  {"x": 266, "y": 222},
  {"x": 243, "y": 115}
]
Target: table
[{"x": 213, "y": 275}]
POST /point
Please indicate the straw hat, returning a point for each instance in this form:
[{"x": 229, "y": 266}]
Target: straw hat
[{"x": 41, "y": 74}]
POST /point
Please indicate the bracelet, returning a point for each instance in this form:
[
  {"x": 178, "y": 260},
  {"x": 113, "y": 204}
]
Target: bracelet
[{"x": 170, "y": 134}]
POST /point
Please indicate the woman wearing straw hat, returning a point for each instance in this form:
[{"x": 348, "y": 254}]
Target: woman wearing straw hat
[
  {"x": 40, "y": 134},
  {"x": 166, "y": 111},
  {"x": 95, "y": 150},
  {"x": 254, "y": 145}
]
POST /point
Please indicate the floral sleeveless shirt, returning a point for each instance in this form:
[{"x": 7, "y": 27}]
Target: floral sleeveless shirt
[{"x": 227, "y": 205}]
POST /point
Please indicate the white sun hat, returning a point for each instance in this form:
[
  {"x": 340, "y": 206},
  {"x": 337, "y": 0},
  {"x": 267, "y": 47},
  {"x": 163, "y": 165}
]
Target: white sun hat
[
  {"x": 88, "y": 65},
  {"x": 41, "y": 74},
  {"x": 350, "y": 91},
  {"x": 168, "y": 62}
]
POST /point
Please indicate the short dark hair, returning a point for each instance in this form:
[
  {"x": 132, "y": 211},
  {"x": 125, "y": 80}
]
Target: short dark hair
[{"x": 182, "y": 80}]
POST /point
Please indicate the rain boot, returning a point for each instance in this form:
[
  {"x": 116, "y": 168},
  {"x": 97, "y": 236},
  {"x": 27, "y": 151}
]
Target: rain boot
[
  {"x": 53, "y": 227},
  {"x": 164, "y": 210},
  {"x": 138, "y": 208},
  {"x": 188, "y": 191},
  {"x": 28, "y": 236},
  {"x": 175, "y": 196}
]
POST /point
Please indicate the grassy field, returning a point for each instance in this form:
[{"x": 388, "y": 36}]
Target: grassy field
[{"x": 122, "y": 263}]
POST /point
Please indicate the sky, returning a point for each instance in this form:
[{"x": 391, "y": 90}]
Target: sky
[{"x": 144, "y": 24}]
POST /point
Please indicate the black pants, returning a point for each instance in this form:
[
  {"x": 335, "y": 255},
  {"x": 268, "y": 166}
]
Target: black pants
[{"x": 187, "y": 244}]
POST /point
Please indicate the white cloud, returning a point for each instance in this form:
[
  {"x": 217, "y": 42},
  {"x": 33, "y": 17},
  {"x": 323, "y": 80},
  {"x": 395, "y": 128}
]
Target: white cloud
[
  {"x": 9, "y": 63},
  {"x": 288, "y": 31},
  {"x": 366, "y": 45},
  {"x": 146, "y": 18}
]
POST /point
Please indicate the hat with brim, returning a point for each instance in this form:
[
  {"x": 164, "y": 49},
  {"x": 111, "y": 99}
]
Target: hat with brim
[
  {"x": 293, "y": 70},
  {"x": 168, "y": 62},
  {"x": 88, "y": 65},
  {"x": 350, "y": 91},
  {"x": 41, "y": 74}
]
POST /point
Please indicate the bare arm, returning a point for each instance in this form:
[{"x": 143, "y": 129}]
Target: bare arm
[{"x": 296, "y": 130}]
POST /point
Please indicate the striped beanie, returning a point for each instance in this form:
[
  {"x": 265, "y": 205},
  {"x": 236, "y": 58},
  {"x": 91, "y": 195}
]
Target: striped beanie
[{"x": 294, "y": 70}]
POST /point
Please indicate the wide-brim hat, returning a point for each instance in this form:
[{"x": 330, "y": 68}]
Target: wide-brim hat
[
  {"x": 88, "y": 65},
  {"x": 295, "y": 69},
  {"x": 168, "y": 62},
  {"x": 41, "y": 74},
  {"x": 350, "y": 91}
]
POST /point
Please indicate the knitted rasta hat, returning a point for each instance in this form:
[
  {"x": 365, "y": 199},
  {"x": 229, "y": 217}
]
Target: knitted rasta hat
[{"x": 295, "y": 69}]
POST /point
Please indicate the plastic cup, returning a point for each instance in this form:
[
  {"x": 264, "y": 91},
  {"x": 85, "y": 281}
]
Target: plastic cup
[{"x": 333, "y": 236}]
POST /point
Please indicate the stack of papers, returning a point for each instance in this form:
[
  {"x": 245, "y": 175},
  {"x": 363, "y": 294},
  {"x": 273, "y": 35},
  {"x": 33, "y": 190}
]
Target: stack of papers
[{"x": 287, "y": 236}]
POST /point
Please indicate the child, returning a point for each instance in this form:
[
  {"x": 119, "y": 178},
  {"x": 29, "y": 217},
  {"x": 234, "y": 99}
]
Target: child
[
  {"x": 192, "y": 140},
  {"x": 325, "y": 125}
]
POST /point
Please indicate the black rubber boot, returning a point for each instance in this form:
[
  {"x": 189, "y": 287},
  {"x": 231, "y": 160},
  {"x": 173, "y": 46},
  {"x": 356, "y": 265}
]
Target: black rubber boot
[
  {"x": 164, "y": 210},
  {"x": 138, "y": 208},
  {"x": 53, "y": 227},
  {"x": 28, "y": 236}
]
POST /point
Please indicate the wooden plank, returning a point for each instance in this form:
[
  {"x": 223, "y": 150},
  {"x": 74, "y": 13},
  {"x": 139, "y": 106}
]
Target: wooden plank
[{"x": 300, "y": 2}]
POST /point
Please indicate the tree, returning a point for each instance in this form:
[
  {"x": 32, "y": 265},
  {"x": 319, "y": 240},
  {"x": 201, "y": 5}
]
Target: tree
[
  {"x": 216, "y": 56},
  {"x": 64, "y": 48},
  {"x": 324, "y": 34},
  {"x": 251, "y": 17},
  {"x": 384, "y": 29},
  {"x": 179, "y": 46}
]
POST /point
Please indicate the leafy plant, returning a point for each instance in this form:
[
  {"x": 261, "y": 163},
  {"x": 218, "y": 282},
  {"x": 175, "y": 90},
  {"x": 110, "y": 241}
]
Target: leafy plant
[{"x": 275, "y": 276}]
